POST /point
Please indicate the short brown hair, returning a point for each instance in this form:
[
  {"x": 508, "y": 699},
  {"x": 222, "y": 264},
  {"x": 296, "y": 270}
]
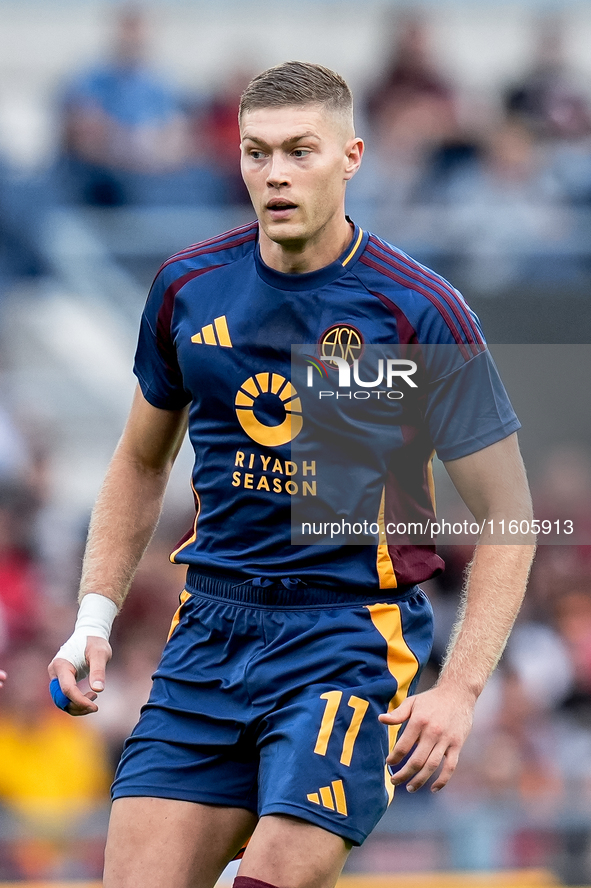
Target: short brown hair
[{"x": 297, "y": 83}]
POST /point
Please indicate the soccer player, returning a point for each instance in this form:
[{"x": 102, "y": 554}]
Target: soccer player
[{"x": 290, "y": 668}]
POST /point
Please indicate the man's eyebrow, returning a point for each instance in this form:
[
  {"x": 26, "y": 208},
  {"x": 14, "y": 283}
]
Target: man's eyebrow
[{"x": 291, "y": 140}]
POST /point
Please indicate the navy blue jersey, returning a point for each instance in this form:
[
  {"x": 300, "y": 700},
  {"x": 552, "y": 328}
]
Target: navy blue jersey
[{"x": 217, "y": 334}]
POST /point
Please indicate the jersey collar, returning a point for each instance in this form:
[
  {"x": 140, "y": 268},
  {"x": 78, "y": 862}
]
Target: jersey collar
[{"x": 314, "y": 279}]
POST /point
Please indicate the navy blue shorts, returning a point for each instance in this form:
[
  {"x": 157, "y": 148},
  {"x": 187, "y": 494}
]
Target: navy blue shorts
[{"x": 272, "y": 707}]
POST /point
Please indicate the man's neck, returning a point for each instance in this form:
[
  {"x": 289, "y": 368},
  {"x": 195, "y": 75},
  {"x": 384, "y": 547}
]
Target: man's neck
[{"x": 297, "y": 257}]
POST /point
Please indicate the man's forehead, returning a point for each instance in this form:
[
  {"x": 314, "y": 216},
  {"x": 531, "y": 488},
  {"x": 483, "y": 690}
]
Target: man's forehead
[{"x": 287, "y": 121}]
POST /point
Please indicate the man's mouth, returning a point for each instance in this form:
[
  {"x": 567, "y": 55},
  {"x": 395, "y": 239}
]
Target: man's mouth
[{"x": 280, "y": 208}]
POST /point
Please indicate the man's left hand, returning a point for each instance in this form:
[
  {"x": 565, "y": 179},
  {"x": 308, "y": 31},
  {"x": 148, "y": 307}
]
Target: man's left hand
[{"x": 438, "y": 722}]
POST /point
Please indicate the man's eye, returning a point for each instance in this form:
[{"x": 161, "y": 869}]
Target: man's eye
[
  {"x": 255, "y": 154},
  {"x": 301, "y": 152}
]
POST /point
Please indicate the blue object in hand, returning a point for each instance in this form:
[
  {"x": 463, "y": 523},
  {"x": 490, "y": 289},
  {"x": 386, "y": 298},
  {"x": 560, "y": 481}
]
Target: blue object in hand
[{"x": 57, "y": 695}]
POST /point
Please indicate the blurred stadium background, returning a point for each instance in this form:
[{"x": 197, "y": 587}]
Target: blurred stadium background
[{"x": 118, "y": 146}]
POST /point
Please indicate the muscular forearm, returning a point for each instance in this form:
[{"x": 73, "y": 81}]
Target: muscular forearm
[
  {"x": 494, "y": 591},
  {"x": 123, "y": 521},
  {"x": 439, "y": 719},
  {"x": 493, "y": 485}
]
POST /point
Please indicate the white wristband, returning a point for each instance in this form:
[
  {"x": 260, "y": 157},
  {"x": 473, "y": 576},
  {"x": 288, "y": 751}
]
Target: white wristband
[{"x": 95, "y": 617}]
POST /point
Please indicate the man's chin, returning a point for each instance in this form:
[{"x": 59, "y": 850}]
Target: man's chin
[{"x": 285, "y": 232}]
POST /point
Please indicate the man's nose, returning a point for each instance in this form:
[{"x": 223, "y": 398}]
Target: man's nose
[{"x": 278, "y": 172}]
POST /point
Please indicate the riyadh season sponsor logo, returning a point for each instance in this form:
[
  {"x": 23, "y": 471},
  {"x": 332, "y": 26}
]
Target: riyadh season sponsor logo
[{"x": 279, "y": 393}]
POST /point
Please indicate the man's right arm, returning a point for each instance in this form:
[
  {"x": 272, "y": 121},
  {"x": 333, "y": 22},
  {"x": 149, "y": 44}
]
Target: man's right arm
[{"x": 123, "y": 521}]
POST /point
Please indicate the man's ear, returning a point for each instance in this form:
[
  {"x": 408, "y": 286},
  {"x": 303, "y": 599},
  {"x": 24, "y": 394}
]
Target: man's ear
[{"x": 354, "y": 152}]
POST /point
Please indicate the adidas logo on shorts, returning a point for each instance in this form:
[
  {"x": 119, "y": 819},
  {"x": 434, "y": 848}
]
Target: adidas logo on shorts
[{"x": 331, "y": 797}]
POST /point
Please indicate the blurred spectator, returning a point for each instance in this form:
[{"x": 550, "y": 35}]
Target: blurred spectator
[
  {"x": 23, "y": 201},
  {"x": 505, "y": 211},
  {"x": 561, "y": 493},
  {"x": 121, "y": 117},
  {"x": 14, "y": 449},
  {"x": 216, "y": 136},
  {"x": 508, "y": 784},
  {"x": 20, "y": 580},
  {"x": 549, "y": 98},
  {"x": 539, "y": 659},
  {"x": 54, "y": 774},
  {"x": 516, "y": 762},
  {"x": 413, "y": 115},
  {"x": 555, "y": 103},
  {"x": 562, "y": 490},
  {"x": 573, "y": 621},
  {"x": 410, "y": 77}
]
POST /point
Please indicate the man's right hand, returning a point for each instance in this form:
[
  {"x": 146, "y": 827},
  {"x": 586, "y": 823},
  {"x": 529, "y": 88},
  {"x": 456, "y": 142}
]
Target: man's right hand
[{"x": 97, "y": 653}]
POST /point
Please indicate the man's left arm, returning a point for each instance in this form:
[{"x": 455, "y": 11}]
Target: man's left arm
[{"x": 493, "y": 484}]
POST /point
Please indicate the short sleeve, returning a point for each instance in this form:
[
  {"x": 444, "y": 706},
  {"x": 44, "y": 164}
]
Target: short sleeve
[
  {"x": 156, "y": 365},
  {"x": 468, "y": 408}
]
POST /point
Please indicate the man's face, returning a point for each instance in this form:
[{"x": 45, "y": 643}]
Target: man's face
[{"x": 295, "y": 162}]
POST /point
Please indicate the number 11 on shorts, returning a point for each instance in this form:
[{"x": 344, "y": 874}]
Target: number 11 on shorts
[{"x": 333, "y": 701}]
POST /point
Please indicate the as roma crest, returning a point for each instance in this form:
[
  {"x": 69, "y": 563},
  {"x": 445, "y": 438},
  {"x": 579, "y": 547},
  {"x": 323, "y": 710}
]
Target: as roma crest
[{"x": 341, "y": 341}]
